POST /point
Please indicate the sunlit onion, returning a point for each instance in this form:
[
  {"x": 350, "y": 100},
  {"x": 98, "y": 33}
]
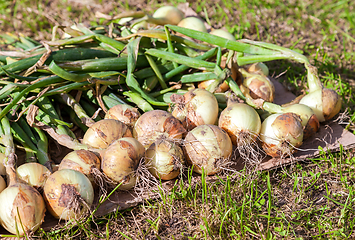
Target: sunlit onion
[
  {"x": 68, "y": 194},
  {"x": 83, "y": 161},
  {"x": 102, "y": 133},
  {"x": 164, "y": 159},
  {"x": 196, "y": 107},
  {"x": 193, "y": 23},
  {"x": 259, "y": 68},
  {"x": 169, "y": 15},
  {"x": 208, "y": 148},
  {"x": 281, "y": 134},
  {"x": 155, "y": 125},
  {"x": 124, "y": 113},
  {"x": 257, "y": 86},
  {"x": 120, "y": 161},
  {"x": 35, "y": 174}
]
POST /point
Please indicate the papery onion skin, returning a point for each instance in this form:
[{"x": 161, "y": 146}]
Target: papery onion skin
[
  {"x": 258, "y": 86},
  {"x": 281, "y": 134},
  {"x": 2, "y": 184},
  {"x": 83, "y": 161},
  {"x": 164, "y": 159},
  {"x": 21, "y": 205},
  {"x": 34, "y": 174},
  {"x": 157, "y": 124},
  {"x": 170, "y": 14},
  {"x": 120, "y": 161},
  {"x": 124, "y": 113},
  {"x": 208, "y": 148},
  {"x": 64, "y": 193},
  {"x": 102, "y": 133},
  {"x": 193, "y": 23},
  {"x": 325, "y": 103},
  {"x": 241, "y": 122},
  {"x": 196, "y": 107}
]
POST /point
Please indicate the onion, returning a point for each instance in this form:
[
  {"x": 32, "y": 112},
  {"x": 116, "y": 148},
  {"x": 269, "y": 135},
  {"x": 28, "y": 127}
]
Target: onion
[
  {"x": 83, "y": 161},
  {"x": 196, "y": 107},
  {"x": 222, "y": 33},
  {"x": 325, "y": 103},
  {"x": 34, "y": 174},
  {"x": 155, "y": 125},
  {"x": 281, "y": 134},
  {"x": 124, "y": 113},
  {"x": 169, "y": 15},
  {"x": 2, "y": 184},
  {"x": 241, "y": 122},
  {"x": 193, "y": 23},
  {"x": 164, "y": 159},
  {"x": 120, "y": 161},
  {"x": 68, "y": 194},
  {"x": 102, "y": 133},
  {"x": 208, "y": 148},
  {"x": 259, "y": 68},
  {"x": 223, "y": 87}
]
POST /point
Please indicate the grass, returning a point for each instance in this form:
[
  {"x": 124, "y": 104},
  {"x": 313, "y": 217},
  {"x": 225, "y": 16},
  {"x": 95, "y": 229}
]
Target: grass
[{"x": 309, "y": 199}]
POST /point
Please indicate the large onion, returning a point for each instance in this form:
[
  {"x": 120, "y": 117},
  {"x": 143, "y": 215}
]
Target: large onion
[
  {"x": 68, "y": 194},
  {"x": 124, "y": 113},
  {"x": 164, "y": 159},
  {"x": 157, "y": 124},
  {"x": 102, "y": 133},
  {"x": 120, "y": 161},
  {"x": 281, "y": 134},
  {"x": 83, "y": 161},
  {"x": 208, "y": 148},
  {"x": 196, "y": 107},
  {"x": 241, "y": 122},
  {"x": 35, "y": 174}
]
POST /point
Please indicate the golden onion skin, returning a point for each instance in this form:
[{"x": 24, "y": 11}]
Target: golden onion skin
[
  {"x": 207, "y": 148},
  {"x": 281, "y": 134},
  {"x": 124, "y": 113},
  {"x": 120, "y": 161},
  {"x": 102, "y": 133},
  {"x": 258, "y": 86},
  {"x": 164, "y": 159},
  {"x": 21, "y": 205},
  {"x": 155, "y": 125}
]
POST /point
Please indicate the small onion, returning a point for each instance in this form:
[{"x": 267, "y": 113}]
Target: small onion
[
  {"x": 120, "y": 161},
  {"x": 155, "y": 125},
  {"x": 241, "y": 122},
  {"x": 281, "y": 134},
  {"x": 2, "y": 184},
  {"x": 259, "y": 68},
  {"x": 222, "y": 33},
  {"x": 325, "y": 103},
  {"x": 258, "y": 86},
  {"x": 208, "y": 148},
  {"x": 124, "y": 113},
  {"x": 22, "y": 208},
  {"x": 193, "y": 23},
  {"x": 102, "y": 133},
  {"x": 169, "y": 14},
  {"x": 164, "y": 159},
  {"x": 68, "y": 194},
  {"x": 83, "y": 161},
  {"x": 34, "y": 174},
  {"x": 196, "y": 107}
]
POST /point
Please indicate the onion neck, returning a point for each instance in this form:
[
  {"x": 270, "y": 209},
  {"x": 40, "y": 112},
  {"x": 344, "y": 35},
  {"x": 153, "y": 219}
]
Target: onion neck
[{"x": 314, "y": 83}]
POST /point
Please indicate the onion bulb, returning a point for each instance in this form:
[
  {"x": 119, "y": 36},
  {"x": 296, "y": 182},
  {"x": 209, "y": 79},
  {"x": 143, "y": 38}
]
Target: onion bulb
[
  {"x": 222, "y": 33},
  {"x": 68, "y": 194},
  {"x": 2, "y": 184},
  {"x": 120, "y": 161},
  {"x": 281, "y": 134},
  {"x": 208, "y": 148},
  {"x": 196, "y": 107},
  {"x": 155, "y": 125},
  {"x": 83, "y": 161},
  {"x": 168, "y": 15},
  {"x": 193, "y": 23},
  {"x": 102, "y": 133},
  {"x": 124, "y": 113},
  {"x": 164, "y": 159},
  {"x": 258, "y": 67},
  {"x": 241, "y": 122},
  {"x": 34, "y": 174},
  {"x": 325, "y": 103}
]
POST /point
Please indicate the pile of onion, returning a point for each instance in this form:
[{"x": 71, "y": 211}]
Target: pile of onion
[
  {"x": 120, "y": 161},
  {"x": 208, "y": 148},
  {"x": 196, "y": 107},
  {"x": 164, "y": 159},
  {"x": 155, "y": 125}
]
